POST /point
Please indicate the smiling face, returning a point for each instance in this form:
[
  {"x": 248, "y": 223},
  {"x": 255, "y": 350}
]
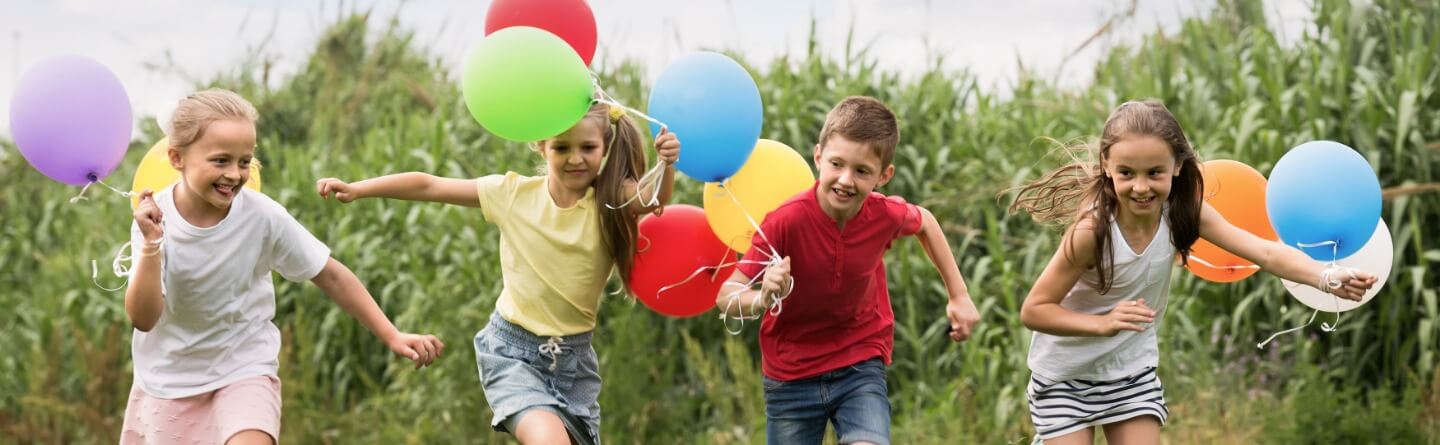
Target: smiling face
[
  {"x": 574, "y": 156},
  {"x": 849, "y": 171},
  {"x": 216, "y": 165},
  {"x": 1142, "y": 169}
]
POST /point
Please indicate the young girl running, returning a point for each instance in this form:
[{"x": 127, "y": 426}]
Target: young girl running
[
  {"x": 560, "y": 238},
  {"x": 1097, "y": 306},
  {"x": 201, "y": 297}
]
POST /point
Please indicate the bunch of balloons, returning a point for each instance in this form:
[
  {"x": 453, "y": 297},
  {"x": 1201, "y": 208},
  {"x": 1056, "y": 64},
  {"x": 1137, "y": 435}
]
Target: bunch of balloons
[
  {"x": 529, "y": 80},
  {"x": 1322, "y": 198}
]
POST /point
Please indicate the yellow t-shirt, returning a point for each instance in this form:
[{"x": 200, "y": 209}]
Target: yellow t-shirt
[{"x": 552, "y": 259}]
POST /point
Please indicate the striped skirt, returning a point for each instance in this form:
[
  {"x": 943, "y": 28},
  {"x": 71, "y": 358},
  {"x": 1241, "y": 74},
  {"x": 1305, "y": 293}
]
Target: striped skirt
[{"x": 1062, "y": 407}]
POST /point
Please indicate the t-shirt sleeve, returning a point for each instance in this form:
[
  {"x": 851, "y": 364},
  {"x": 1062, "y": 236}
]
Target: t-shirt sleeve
[
  {"x": 295, "y": 253},
  {"x": 496, "y": 194},
  {"x": 761, "y": 245},
  {"x": 905, "y": 215}
]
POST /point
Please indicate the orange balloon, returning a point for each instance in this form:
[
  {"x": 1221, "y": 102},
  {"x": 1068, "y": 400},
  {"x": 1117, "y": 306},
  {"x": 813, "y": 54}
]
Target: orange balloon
[{"x": 1238, "y": 193}]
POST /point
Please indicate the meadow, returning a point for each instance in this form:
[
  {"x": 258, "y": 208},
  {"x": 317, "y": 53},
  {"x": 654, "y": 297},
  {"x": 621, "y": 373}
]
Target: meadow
[{"x": 370, "y": 101}]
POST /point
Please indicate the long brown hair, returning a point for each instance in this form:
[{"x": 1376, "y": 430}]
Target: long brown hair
[
  {"x": 1070, "y": 193},
  {"x": 624, "y": 162}
]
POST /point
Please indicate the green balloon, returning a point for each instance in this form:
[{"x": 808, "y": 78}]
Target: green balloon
[{"x": 525, "y": 84}]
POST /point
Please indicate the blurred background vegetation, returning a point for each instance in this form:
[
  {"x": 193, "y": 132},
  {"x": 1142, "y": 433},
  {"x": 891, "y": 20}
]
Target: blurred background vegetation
[{"x": 371, "y": 102}]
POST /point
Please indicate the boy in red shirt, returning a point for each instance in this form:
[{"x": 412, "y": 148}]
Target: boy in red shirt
[{"x": 824, "y": 355}]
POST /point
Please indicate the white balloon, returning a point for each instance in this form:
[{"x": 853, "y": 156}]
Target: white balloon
[
  {"x": 162, "y": 118},
  {"x": 1376, "y": 257}
]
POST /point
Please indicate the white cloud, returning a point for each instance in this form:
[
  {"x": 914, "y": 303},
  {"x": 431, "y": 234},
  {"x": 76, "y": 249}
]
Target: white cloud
[{"x": 206, "y": 37}]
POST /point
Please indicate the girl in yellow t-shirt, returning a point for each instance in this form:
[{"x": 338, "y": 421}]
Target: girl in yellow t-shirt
[{"x": 558, "y": 246}]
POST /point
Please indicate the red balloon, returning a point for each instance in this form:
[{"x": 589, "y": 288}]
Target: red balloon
[
  {"x": 672, "y": 247},
  {"x": 571, "y": 20}
]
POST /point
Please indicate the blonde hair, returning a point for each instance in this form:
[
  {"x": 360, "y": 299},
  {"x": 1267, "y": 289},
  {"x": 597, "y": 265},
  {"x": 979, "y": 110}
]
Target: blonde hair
[{"x": 197, "y": 111}]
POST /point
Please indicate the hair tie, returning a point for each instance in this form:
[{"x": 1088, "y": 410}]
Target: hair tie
[{"x": 616, "y": 113}]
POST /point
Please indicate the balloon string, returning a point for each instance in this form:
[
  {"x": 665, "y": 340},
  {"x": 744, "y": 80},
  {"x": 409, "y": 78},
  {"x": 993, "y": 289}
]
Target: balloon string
[
  {"x": 81, "y": 196},
  {"x": 117, "y": 266},
  {"x": 120, "y": 266},
  {"x": 649, "y": 178},
  {"x": 1212, "y": 266},
  {"x": 605, "y": 98},
  {"x": 1322, "y": 285},
  {"x": 777, "y": 305},
  {"x": 654, "y": 200}
]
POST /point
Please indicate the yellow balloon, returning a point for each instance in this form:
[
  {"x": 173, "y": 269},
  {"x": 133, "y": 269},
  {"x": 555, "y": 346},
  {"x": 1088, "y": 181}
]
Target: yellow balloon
[
  {"x": 155, "y": 172},
  {"x": 773, "y": 174}
]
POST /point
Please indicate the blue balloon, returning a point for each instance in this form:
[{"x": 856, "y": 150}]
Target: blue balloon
[
  {"x": 712, "y": 104},
  {"x": 1323, "y": 191}
]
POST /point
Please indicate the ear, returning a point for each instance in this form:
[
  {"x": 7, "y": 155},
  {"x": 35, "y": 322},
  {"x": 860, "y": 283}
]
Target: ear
[
  {"x": 818, "y": 150},
  {"x": 174, "y": 155},
  {"x": 886, "y": 175}
]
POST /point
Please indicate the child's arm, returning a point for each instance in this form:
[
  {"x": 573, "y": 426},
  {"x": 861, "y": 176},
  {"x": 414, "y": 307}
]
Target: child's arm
[
  {"x": 143, "y": 299},
  {"x": 667, "y": 146},
  {"x": 412, "y": 186},
  {"x": 1042, "y": 312},
  {"x": 1278, "y": 259},
  {"x": 341, "y": 285},
  {"x": 960, "y": 310},
  {"x": 750, "y": 302}
]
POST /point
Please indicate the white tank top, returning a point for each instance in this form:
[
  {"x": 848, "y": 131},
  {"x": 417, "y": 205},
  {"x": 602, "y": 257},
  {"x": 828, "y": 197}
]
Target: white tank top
[{"x": 1145, "y": 274}]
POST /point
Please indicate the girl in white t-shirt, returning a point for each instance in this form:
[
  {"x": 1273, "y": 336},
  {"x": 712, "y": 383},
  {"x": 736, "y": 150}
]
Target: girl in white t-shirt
[
  {"x": 201, "y": 296},
  {"x": 1097, "y": 306}
]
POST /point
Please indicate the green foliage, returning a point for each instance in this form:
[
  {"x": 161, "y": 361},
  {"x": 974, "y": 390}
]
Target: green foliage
[{"x": 369, "y": 103}]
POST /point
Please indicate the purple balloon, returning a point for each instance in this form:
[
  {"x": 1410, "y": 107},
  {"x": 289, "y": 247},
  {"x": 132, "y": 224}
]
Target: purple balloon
[{"x": 71, "y": 119}]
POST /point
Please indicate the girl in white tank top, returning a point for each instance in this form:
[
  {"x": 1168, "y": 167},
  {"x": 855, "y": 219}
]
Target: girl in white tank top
[{"x": 1097, "y": 306}]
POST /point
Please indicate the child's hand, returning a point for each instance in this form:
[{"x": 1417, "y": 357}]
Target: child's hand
[
  {"x": 1126, "y": 316},
  {"x": 149, "y": 218},
  {"x": 342, "y": 190},
  {"x": 1353, "y": 283},
  {"x": 775, "y": 285},
  {"x": 668, "y": 146},
  {"x": 421, "y": 349},
  {"x": 963, "y": 318}
]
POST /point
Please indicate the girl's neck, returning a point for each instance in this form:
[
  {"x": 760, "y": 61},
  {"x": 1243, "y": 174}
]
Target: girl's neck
[
  {"x": 195, "y": 210},
  {"x": 562, "y": 196},
  {"x": 1133, "y": 223}
]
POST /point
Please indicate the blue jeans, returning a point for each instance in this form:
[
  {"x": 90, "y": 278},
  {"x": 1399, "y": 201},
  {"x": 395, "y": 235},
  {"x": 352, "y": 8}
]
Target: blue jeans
[{"x": 854, "y": 398}]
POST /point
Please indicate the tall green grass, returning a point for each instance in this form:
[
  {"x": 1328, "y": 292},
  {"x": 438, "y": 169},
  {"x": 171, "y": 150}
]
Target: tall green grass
[{"x": 369, "y": 102}]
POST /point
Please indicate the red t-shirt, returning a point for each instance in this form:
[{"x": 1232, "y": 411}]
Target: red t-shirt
[{"x": 839, "y": 312}]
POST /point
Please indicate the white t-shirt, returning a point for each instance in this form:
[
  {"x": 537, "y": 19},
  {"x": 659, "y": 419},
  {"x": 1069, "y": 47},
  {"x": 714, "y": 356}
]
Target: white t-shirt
[{"x": 216, "y": 326}]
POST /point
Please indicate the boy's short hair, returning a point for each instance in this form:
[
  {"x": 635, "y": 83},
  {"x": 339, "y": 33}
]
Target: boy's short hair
[{"x": 864, "y": 120}]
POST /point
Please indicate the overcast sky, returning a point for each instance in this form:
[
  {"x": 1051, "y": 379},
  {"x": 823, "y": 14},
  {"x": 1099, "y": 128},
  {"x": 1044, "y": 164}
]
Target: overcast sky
[{"x": 203, "y": 37}]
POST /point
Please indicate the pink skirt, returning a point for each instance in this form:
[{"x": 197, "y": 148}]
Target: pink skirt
[{"x": 209, "y": 418}]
